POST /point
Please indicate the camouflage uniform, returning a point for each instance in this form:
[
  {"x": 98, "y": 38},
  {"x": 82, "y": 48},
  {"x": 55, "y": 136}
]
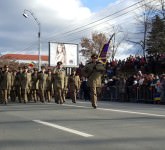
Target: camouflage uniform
[
  {"x": 42, "y": 76},
  {"x": 18, "y": 84},
  {"x": 93, "y": 71},
  {"x": 25, "y": 84},
  {"x": 59, "y": 83},
  {"x": 49, "y": 86},
  {"x": 5, "y": 84},
  {"x": 34, "y": 85},
  {"x": 13, "y": 86},
  {"x": 73, "y": 85}
]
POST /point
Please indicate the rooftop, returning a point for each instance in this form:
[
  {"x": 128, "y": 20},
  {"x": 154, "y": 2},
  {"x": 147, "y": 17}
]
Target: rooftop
[{"x": 24, "y": 57}]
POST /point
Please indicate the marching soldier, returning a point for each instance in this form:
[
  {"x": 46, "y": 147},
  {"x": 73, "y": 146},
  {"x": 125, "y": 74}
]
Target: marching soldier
[
  {"x": 25, "y": 84},
  {"x": 59, "y": 83},
  {"x": 42, "y": 76},
  {"x": 18, "y": 84},
  {"x": 93, "y": 71},
  {"x": 49, "y": 86},
  {"x": 73, "y": 85},
  {"x": 34, "y": 85},
  {"x": 5, "y": 84},
  {"x": 13, "y": 86}
]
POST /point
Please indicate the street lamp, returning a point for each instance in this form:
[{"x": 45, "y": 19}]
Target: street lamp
[{"x": 39, "y": 35}]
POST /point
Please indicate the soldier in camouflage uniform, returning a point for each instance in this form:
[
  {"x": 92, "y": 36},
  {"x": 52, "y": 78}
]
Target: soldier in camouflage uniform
[
  {"x": 59, "y": 83},
  {"x": 18, "y": 84},
  {"x": 13, "y": 86},
  {"x": 73, "y": 85},
  {"x": 5, "y": 84},
  {"x": 93, "y": 71},
  {"x": 25, "y": 84},
  {"x": 42, "y": 76},
  {"x": 34, "y": 85},
  {"x": 49, "y": 86}
]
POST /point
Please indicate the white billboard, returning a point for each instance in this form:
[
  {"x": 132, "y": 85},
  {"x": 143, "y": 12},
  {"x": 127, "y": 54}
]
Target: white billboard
[{"x": 65, "y": 52}]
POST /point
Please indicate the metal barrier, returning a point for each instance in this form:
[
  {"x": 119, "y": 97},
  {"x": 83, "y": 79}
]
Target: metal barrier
[
  {"x": 137, "y": 94},
  {"x": 110, "y": 93}
]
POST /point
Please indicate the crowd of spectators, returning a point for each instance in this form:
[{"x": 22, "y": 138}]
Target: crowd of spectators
[
  {"x": 150, "y": 64},
  {"x": 136, "y": 87},
  {"x": 137, "y": 78}
]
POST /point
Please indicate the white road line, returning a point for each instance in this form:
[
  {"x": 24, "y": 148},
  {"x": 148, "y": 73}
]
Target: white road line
[
  {"x": 133, "y": 112},
  {"x": 121, "y": 111},
  {"x": 76, "y": 106},
  {"x": 63, "y": 128}
]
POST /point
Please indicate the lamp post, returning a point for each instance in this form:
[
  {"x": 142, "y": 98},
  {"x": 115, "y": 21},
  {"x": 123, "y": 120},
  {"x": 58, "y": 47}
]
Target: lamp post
[{"x": 39, "y": 35}]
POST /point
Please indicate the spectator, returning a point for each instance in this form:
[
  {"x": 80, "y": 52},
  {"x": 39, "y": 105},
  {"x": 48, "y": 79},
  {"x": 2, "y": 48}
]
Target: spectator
[{"x": 162, "y": 88}]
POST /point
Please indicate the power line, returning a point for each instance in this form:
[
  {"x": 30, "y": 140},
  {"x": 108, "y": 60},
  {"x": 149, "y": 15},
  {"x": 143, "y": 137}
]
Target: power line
[
  {"x": 84, "y": 25},
  {"x": 107, "y": 9},
  {"x": 105, "y": 17},
  {"x": 106, "y": 20},
  {"x": 72, "y": 31}
]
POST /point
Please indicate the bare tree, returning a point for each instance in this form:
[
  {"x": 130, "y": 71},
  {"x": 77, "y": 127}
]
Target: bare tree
[
  {"x": 162, "y": 8},
  {"x": 118, "y": 38},
  {"x": 147, "y": 10},
  {"x": 93, "y": 45}
]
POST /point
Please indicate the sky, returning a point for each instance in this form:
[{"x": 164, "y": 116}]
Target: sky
[
  {"x": 96, "y": 5},
  {"x": 63, "y": 21}
]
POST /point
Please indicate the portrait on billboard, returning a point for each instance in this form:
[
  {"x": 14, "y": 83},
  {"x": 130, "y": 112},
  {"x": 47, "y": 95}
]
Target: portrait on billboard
[
  {"x": 61, "y": 53},
  {"x": 64, "y": 52}
]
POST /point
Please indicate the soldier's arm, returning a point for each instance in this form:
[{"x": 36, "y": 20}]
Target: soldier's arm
[
  {"x": 85, "y": 71},
  {"x": 100, "y": 67}
]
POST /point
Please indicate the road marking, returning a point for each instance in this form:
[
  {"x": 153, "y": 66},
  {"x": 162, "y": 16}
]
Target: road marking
[
  {"x": 63, "y": 128},
  {"x": 121, "y": 111},
  {"x": 132, "y": 112},
  {"x": 76, "y": 106}
]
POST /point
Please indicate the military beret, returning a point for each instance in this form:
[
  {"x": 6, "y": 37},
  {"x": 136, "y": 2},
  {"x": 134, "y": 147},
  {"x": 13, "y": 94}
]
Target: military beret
[
  {"x": 95, "y": 56},
  {"x": 59, "y": 63}
]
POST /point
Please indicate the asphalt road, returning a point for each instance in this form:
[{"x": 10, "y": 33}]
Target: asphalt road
[{"x": 112, "y": 126}]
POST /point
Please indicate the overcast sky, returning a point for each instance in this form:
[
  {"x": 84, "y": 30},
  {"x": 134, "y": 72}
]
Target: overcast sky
[{"x": 61, "y": 21}]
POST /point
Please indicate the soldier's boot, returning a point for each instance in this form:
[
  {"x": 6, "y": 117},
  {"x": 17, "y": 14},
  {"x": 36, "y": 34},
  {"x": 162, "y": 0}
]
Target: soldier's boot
[
  {"x": 94, "y": 105},
  {"x": 5, "y": 102}
]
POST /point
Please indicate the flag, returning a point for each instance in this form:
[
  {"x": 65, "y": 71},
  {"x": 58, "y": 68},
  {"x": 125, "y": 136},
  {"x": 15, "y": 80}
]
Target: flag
[{"x": 103, "y": 53}]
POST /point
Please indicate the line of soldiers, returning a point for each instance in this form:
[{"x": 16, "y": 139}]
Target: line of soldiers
[{"x": 38, "y": 85}]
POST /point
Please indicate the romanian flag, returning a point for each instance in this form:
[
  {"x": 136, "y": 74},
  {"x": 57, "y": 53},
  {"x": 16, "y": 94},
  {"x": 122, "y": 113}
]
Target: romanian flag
[{"x": 103, "y": 53}]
